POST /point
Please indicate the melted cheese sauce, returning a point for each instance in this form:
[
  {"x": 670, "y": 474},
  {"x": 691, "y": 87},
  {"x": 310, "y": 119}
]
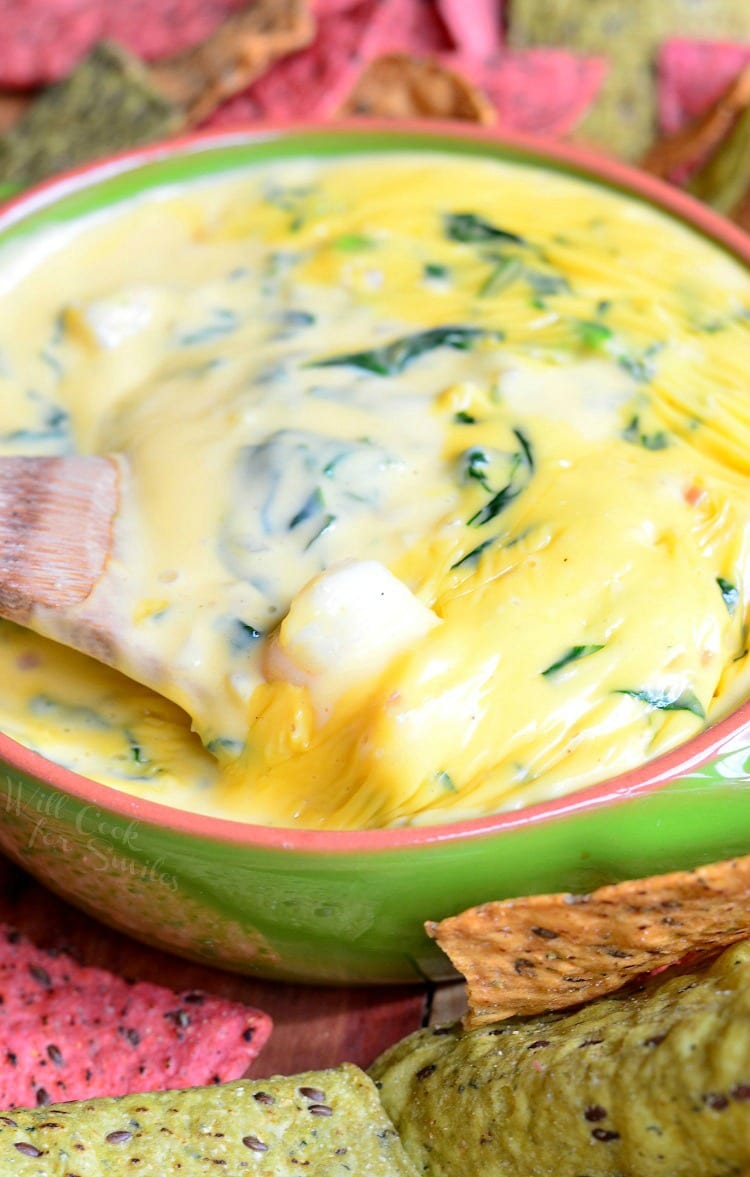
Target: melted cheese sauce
[{"x": 438, "y": 496}]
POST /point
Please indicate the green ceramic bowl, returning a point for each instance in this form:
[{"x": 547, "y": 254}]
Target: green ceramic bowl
[{"x": 349, "y": 907}]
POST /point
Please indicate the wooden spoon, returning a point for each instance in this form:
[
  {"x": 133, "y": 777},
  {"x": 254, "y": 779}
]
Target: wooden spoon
[{"x": 62, "y": 568}]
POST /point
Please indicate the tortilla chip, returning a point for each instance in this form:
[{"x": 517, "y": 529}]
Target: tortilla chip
[
  {"x": 108, "y": 104},
  {"x": 112, "y": 101},
  {"x": 623, "y": 121},
  {"x": 398, "y": 86},
  {"x": 476, "y": 26},
  {"x": 71, "y": 1032},
  {"x": 546, "y": 952},
  {"x": 43, "y": 40},
  {"x": 321, "y": 1123},
  {"x": 693, "y": 75},
  {"x": 724, "y": 179},
  {"x": 405, "y": 26},
  {"x": 676, "y": 155},
  {"x": 199, "y": 79},
  {"x": 536, "y": 91},
  {"x": 311, "y": 83},
  {"x": 650, "y": 1083},
  {"x": 315, "y": 82},
  {"x": 12, "y": 107}
]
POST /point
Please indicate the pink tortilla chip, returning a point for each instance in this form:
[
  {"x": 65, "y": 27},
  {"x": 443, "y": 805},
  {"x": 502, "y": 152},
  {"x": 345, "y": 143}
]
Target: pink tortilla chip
[
  {"x": 71, "y": 1032},
  {"x": 692, "y": 76},
  {"x": 43, "y": 40},
  {"x": 476, "y": 26},
  {"x": 535, "y": 91},
  {"x": 405, "y": 26}
]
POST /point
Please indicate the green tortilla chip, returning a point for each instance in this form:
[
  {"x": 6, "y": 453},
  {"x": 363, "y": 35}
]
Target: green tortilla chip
[
  {"x": 321, "y": 1123},
  {"x": 108, "y": 104},
  {"x": 623, "y": 121},
  {"x": 653, "y": 1083}
]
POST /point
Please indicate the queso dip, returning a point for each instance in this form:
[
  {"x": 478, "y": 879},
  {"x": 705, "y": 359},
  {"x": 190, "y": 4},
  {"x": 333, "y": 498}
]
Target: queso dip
[{"x": 438, "y": 485}]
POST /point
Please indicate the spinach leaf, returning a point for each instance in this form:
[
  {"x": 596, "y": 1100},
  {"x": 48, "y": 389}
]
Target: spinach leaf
[
  {"x": 471, "y": 229},
  {"x": 435, "y": 271},
  {"x": 665, "y": 701},
  {"x": 392, "y": 358},
  {"x": 464, "y": 418},
  {"x": 729, "y": 592},
  {"x": 572, "y": 654},
  {"x": 658, "y": 440}
]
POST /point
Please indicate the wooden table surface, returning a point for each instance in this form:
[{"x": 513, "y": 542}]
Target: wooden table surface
[{"x": 313, "y": 1026}]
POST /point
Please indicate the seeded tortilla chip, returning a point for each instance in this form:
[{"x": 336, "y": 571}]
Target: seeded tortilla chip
[
  {"x": 320, "y": 1123},
  {"x": 623, "y": 121},
  {"x": 398, "y": 86},
  {"x": 70, "y": 1032},
  {"x": 653, "y": 1082},
  {"x": 546, "y": 952}
]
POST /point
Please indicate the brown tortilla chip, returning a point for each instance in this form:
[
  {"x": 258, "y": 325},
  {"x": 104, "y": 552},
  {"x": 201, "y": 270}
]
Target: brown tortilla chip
[
  {"x": 700, "y": 138},
  {"x": 399, "y": 86},
  {"x": 242, "y": 49},
  {"x": 547, "y": 952}
]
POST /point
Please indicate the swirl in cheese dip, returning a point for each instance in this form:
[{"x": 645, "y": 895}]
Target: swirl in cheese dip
[{"x": 438, "y": 485}]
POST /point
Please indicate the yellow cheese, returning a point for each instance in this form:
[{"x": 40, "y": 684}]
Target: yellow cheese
[{"x": 439, "y": 485}]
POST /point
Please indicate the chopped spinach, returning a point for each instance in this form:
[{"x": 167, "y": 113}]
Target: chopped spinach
[
  {"x": 471, "y": 229},
  {"x": 472, "y": 556},
  {"x": 641, "y": 367},
  {"x": 243, "y": 635},
  {"x": 497, "y": 503},
  {"x": 326, "y": 523},
  {"x": 69, "y": 715},
  {"x": 526, "y": 450},
  {"x": 572, "y": 654},
  {"x": 353, "y": 242},
  {"x": 476, "y": 463},
  {"x": 505, "y": 271},
  {"x": 521, "y": 466},
  {"x": 667, "y": 701},
  {"x": 445, "y": 781},
  {"x": 313, "y": 505},
  {"x": 392, "y": 358},
  {"x": 223, "y": 321},
  {"x": 658, "y": 440},
  {"x": 464, "y": 418},
  {"x": 433, "y": 271},
  {"x": 593, "y": 334},
  {"x": 544, "y": 285},
  {"x": 729, "y": 592}
]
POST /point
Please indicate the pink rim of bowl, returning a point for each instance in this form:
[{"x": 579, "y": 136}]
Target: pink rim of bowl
[{"x": 636, "y": 782}]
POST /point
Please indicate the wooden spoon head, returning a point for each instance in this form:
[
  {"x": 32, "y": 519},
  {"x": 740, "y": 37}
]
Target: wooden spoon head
[{"x": 56, "y": 522}]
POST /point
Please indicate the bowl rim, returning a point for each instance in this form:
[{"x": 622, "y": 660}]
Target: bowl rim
[{"x": 643, "y": 779}]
